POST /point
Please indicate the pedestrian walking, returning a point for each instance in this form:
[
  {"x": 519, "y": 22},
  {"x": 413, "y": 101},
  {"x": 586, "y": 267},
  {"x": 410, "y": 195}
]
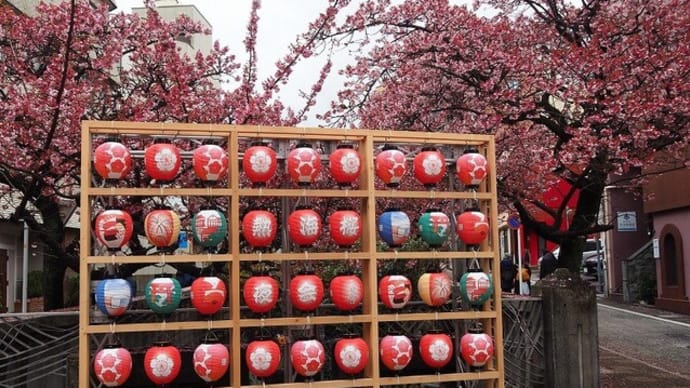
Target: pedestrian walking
[
  {"x": 548, "y": 264},
  {"x": 524, "y": 274},
  {"x": 508, "y": 272}
]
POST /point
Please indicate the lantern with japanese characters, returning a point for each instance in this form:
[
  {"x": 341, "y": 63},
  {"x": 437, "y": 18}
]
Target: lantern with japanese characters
[
  {"x": 208, "y": 294},
  {"x": 163, "y": 294},
  {"x": 306, "y": 291},
  {"x": 472, "y": 227},
  {"x": 476, "y": 347},
  {"x": 472, "y": 168},
  {"x": 346, "y": 291},
  {"x": 351, "y": 354},
  {"x": 303, "y": 164},
  {"x": 435, "y": 288},
  {"x": 112, "y": 160},
  {"x": 395, "y": 291},
  {"x": 260, "y": 293},
  {"x": 259, "y": 163},
  {"x": 113, "y": 296},
  {"x": 394, "y": 227},
  {"x": 429, "y": 166},
  {"x": 396, "y": 351},
  {"x": 434, "y": 227},
  {"x": 162, "y": 363},
  {"x": 307, "y": 357},
  {"x": 210, "y": 162},
  {"x": 436, "y": 349},
  {"x": 162, "y": 161},
  {"x": 476, "y": 287},
  {"x": 390, "y": 165},
  {"x": 209, "y": 228},
  {"x": 211, "y": 360},
  {"x": 262, "y": 357},
  {"x": 113, "y": 228},
  {"x": 345, "y": 164},
  {"x": 162, "y": 228},
  {"x": 112, "y": 365},
  {"x": 345, "y": 227},
  {"x": 259, "y": 228},
  {"x": 304, "y": 226}
]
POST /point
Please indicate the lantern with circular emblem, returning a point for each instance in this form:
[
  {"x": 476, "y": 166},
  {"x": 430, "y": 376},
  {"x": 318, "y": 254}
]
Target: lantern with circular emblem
[
  {"x": 394, "y": 227},
  {"x": 429, "y": 167},
  {"x": 395, "y": 291},
  {"x": 112, "y": 365},
  {"x": 211, "y": 360},
  {"x": 345, "y": 227},
  {"x": 390, "y": 165},
  {"x": 162, "y": 363},
  {"x": 396, "y": 351},
  {"x": 476, "y": 287},
  {"x": 434, "y": 227},
  {"x": 112, "y": 160},
  {"x": 346, "y": 291},
  {"x": 303, "y": 164},
  {"x": 307, "y": 357},
  {"x": 476, "y": 347},
  {"x": 436, "y": 349},
  {"x": 113, "y": 296},
  {"x": 113, "y": 228},
  {"x": 209, "y": 228},
  {"x": 162, "y": 228},
  {"x": 304, "y": 226},
  {"x": 208, "y": 294},
  {"x": 163, "y": 294},
  {"x": 260, "y": 293},
  {"x": 472, "y": 168},
  {"x": 259, "y": 228},
  {"x": 351, "y": 354},
  {"x": 259, "y": 163},
  {"x": 435, "y": 288},
  {"x": 306, "y": 291},
  {"x": 262, "y": 357},
  {"x": 210, "y": 162},
  {"x": 472, "y": 227},
  {"x": 345, "y": 164},
  {"x": 162, "y": 161}
]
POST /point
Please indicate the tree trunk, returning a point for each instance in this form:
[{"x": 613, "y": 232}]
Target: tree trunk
[{"x": 54, "y": 271}]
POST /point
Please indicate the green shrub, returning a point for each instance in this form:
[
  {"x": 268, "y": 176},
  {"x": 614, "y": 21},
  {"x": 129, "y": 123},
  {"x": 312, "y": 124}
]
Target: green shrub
[{"x": 35, "y": 284}]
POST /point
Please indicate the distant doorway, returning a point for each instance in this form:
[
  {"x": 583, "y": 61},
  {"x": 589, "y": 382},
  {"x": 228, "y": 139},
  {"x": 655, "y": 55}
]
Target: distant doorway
[
  {"x": 3, "y": 280},
  {"x": 672, "y": 268}
]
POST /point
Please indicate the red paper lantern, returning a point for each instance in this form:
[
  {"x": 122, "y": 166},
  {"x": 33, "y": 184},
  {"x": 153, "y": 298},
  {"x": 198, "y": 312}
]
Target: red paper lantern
[
  {"x": 304, "y": 226},
  {"x": 162, "y": 363},
  {"x": 351, "y": 354},
  {"x": 307, "y": 357},
  {"x": 435, "y": 288},
  {"x": 210, "y": 162},
  {"x": 472, "y": 227},
  {"x": 262, "y": 357},
  {"x": 306, "y": 291},
  {"x": 162, "y": 227},
  {"x": 345, "y": 164},
  {"x": 112, "y": 160},
  {"x": 303, "y": 164},
  {"x": 208, "y": 294},
  {"x": 113, "y": 228},
  {"x": 476, "y": 347},
  {"x": 436, "y": 349},
  {"x": 390, "y": 166},
  {"x": 347, "y": 292},
  {"x": 112, "y": 365},
  {"x": 396, "y": 351},
  {"x": 211, "y": 361},
  {"x": 472, "y": 168},
  {"x": 259, "y": 163},
  {"x": 345, "y": 227},
  {"x": 395, "y": 291},
  {"x": 429, "y": 166},
  {"x": 162, "y": 161},
  {"x": 259, "y": 228},
  {"x": 260, "y": 293}
]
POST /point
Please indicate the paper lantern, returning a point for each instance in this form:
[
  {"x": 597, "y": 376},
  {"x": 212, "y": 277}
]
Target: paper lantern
[
  {"x": 476, "y": 347},
  {"x": 429, "y": 166},
  {"x": 351, "y": 354},
  {"x": 112, "y": 160},
  {"x": 306, "y": 291},
  {"x": 113, "y": 228},
  {"x": 260, "y": 293},
  {"x": 113, "y": 296},
  {"x": 209, "y": 228},
  {"x": 345, "y": 164},
  {"x": 211, "y": 361},
  {"x": 434, "y": 227},
  {"x": 162, "y": 161},
  {"x": 163, "y": 294},
  {"x": 394, "y": 227},
  {"x": 390, "y": 165},
  {"x": 472, "y": 227},
  {"x": 476, "y": 287},
  {"x": 396, "y": 351},
  {"x": 259, "y": 228},
  {"x": 208, "y": 294},
  {"x": 307, "y": 357},
  {"x": 395, "y": 291},
  {"x": 259, "y": 163},
  {"x": 346, "y": 291},
  {"x": 304, "y": 226},
  {"x": 112, "y": 365},
  {"x": 345, "y": 227},
  {"x": 210, "y": 162},
  {"x": 162, "y": 363},
  {"x": 162, "y": 227},
  {"x": 435, "y": 288},
  {"x": 303, "y": 164},
  {"x": 262, "y": 357},
  {"x": 472, "y": 168},
  {"x": 436, "y": 349}
]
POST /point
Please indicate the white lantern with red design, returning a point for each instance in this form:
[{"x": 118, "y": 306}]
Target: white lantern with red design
[
  {"x": 429, "y": 166},
  {"x": 260, "y": 293},
  {"x": 351, "y": 354},
  {"x": 303, "y": 164},
  {"x": 345, "y": 164},
  {"x": 472, "y": 168},
  {"x": 162, "y": 363},
  {"x": 304, "y": 226},
  {"x": 162, "y": 161},
  {"x": 262, "y": 357},
  {"x": 346, "y": 291},
  {"x": 390, "y": 165},
  {"x": 112, "y": 160},
  {"x": 259, "y": 163},
  {"x": 113, "y": 228},
  {"x": 436, "y": 349},
  {"x": 208, "y": 294},
  {"x": 435, "y": 288},
  {"x": 306, "y": 291},
  {"x": 345, "y": 227},
  {"x": 476, "y": 287},
  {"x": 307, "y": 357},
  {"x": 396, "y": 351},
  {"x": 162, "y": 228},
  {"x": 395, "y": 291},
  {"x": 472, "y": 227},
  {"x": 113, "y": 296},
  {"x": 476, "y": 347},
  {"x": 112, "y": 365},
  {"x": 259, "y": 228},
  {"x": 211, "y": 360}
]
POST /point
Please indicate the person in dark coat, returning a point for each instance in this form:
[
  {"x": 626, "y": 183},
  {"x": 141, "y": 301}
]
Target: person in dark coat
[
  {"x": 508, "y": 272},
  {"x": 548, "y": 264}
]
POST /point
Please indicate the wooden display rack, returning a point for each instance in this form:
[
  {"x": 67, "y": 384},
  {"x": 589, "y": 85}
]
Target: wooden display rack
[{"x": 366, "y": 192}]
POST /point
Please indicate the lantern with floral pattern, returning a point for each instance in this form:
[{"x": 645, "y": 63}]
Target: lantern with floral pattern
[{"x": 259, "y": 163}]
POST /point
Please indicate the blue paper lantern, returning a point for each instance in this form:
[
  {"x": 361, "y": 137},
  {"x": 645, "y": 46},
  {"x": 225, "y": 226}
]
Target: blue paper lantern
[
  {"x": 394, "y": 227},
  {"x": 113, "y": 296}
]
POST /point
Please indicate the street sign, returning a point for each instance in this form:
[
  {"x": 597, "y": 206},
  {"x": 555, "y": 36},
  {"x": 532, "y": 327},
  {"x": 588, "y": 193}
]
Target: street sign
[{"x": 514, "y": 222}]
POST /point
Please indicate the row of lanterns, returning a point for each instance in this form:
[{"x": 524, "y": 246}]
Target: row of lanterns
[{"x": 162, "y": 161}]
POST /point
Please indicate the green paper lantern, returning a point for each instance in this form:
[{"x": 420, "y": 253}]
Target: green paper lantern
[
  {"x": 163, "y": 295},
  {"x": 476, "y": 287},
  {"x": 433, "y": 227},
  {"x": 209, "y": 227}
]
